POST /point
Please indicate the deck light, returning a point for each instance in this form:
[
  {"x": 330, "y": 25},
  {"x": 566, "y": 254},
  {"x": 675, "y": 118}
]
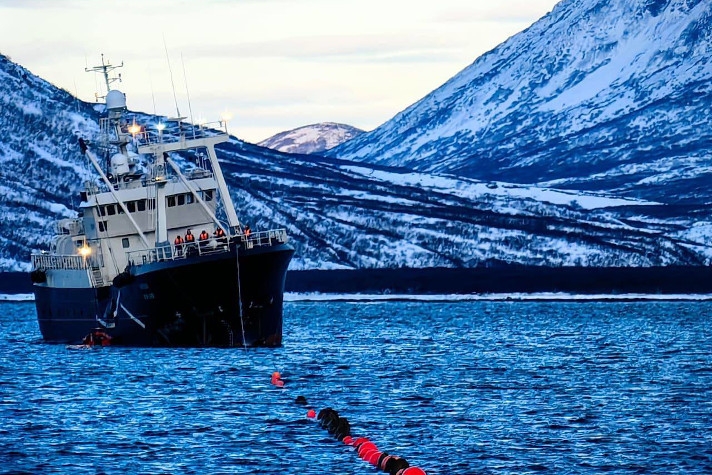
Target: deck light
[{"x": 134, "y": 128}]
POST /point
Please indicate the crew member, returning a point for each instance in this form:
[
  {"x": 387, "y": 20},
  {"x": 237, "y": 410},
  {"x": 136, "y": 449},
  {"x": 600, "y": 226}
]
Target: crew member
[
  {"x": 248, "y": 231},
  {"x": 220, "y": 235},
  {"x": 203, "y": 235},
  {"x": 189, "y": 237},
  {"x": 178, "y": 242}
]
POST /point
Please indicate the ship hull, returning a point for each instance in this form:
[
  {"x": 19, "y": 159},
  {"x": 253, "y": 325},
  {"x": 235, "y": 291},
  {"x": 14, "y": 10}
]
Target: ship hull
[{"x": 207, "y": 300}]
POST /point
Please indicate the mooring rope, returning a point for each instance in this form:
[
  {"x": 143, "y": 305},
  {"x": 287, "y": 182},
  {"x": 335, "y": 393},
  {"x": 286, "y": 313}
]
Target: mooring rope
[{"x": 239, "y": 296}]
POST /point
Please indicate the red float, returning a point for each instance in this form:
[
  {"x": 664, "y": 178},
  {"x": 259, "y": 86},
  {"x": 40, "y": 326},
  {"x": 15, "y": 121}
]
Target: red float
[
  {"x": 366, "y": 447},
  {"x": 373, "y": 458},
  {"x": 359, "y": 440},
  {"x": 413, "y": 471}
]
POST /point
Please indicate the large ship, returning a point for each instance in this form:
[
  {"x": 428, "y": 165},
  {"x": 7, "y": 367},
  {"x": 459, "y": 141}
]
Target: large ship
[{"x": 157, "y": 255}]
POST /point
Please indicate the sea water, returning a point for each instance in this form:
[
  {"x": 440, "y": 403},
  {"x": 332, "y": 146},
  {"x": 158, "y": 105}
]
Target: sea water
[{"x": 453, "y": 387}]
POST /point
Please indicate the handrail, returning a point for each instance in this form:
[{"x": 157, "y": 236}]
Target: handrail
[
  {"x": 171, "y": 252},
  {"x": 265, "y": 238},
  {"x": 175, "y": 132},
  {"x": 167, "y": 252},
  {"x": 51, "y": 261}
]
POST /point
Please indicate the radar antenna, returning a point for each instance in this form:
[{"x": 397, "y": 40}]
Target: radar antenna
[{"x": 105, "y": 69}]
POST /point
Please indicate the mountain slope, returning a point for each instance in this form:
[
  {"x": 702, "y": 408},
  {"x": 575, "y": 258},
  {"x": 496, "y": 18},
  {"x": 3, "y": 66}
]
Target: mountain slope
[
  {"x": 39, "y": 176},
  {"x": 313, "y": 138},
  {"x": 597, "y": 95},
  {"x": 344, "y": 215}
]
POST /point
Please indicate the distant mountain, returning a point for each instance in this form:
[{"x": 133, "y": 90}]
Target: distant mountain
[
  {"x": 598, "y": 95},
  {"x": 313, "y": 138}
]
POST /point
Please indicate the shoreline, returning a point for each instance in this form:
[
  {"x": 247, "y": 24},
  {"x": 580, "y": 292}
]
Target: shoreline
[
  {"x": 433, "y": 298},
  {"x": 514, "y": 297},
  {"x": 491, "y": 281}
]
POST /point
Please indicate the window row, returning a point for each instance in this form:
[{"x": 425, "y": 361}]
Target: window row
[
  {"x": 132, "y": 206},
  {"x": 150, "y": 204},
  {"x": 179, "y": 200},
  {"x": 188, "y": 198}
]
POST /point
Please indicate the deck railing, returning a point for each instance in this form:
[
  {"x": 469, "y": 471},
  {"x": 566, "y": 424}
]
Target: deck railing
[
  {"x": 211, "y": 246},
  {"x": 50, "y": 261},
  {"x": 265, "y": 238},
  {"x": 169, "y": 131},
  {"x": 162, "y": 253}
]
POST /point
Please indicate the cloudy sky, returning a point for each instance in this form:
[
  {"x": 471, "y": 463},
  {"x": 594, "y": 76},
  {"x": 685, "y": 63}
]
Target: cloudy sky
[{"x": 270, "y": 65}]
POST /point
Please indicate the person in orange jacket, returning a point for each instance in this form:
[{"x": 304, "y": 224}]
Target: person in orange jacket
[{"x": 178, "y": 243}]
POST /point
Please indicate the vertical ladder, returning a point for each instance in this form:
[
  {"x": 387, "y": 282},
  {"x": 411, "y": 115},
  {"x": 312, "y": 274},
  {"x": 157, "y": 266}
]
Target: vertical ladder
[{"x": 96, "y": 277}]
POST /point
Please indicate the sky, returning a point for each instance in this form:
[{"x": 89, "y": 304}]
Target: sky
[{"x": 266, "y": 65}]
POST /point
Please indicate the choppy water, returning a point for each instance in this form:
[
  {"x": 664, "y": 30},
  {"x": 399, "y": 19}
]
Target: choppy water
[{"x": 455, "y": 388}]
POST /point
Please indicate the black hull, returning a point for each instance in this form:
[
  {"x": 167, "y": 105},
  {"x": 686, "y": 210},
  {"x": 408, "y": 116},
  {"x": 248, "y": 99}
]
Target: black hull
[{"x": 189, "y": 302}]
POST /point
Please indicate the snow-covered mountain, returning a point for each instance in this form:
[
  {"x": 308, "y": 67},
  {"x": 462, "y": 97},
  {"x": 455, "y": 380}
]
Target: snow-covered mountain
[
  {"x": 315, "y": 138},
  {"x": 604, "y": 95},
  {"x": 39, "y": 171},
  {"x": 638, "y": 199}
]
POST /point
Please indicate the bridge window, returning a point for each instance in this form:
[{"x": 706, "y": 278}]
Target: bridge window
[
  {"x": 171, "y": 201},
  {"x": 103, "y": 226},
  {"x": 125, "y": 243},
  {"x": 131, "y": 206},
  {"x": 141, "y": 205}
]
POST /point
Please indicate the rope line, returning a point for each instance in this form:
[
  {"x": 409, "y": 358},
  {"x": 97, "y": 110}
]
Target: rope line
[{"x": 239, "y": 295}]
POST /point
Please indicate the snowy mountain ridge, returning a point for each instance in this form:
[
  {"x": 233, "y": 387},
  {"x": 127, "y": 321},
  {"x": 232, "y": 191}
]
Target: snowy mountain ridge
[
  {"x": 314, "y": 138},
  {"x": 597, "y": 95}
]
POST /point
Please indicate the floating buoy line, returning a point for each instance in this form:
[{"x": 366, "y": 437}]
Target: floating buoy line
[{"x": 340, "y": 428}]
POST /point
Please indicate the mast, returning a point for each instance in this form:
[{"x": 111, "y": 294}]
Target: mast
[
  {"x": 115, "y": 105},
  {"x": 105, "y": 69}
]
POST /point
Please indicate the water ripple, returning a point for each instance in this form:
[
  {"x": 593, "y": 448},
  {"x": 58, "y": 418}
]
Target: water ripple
[{"x": 456, "y": 388}]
